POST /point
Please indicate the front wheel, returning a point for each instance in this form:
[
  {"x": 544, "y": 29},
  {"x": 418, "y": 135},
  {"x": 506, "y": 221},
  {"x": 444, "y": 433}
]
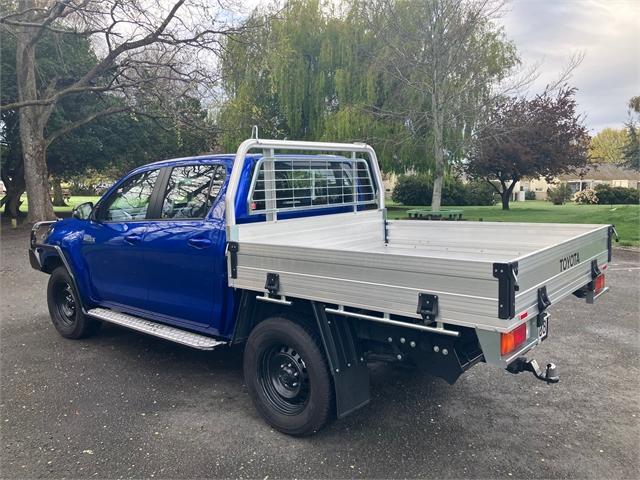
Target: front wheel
[
  {"x": 288, "y": 377},
  {"x": 64, "y": 307}
]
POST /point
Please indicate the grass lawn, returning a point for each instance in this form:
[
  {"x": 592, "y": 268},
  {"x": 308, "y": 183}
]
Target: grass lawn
[
  {"x": 71, "y": 203},
  {"x": 626, "y": 218}
]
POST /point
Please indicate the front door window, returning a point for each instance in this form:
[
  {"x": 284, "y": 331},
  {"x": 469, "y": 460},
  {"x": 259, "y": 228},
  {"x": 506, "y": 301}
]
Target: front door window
[{"x": 131, "y": 200}]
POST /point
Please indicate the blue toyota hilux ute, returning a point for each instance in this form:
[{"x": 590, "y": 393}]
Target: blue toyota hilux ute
[{"x": 292, "y": 255}]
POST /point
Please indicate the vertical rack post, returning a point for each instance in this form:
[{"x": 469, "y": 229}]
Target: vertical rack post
[
  {"x": 270, "y": 184},
  {"x": 354, "y": 181}
]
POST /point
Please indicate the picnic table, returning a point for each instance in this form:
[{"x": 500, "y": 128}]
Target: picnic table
[{"x": 427, "y": 214}]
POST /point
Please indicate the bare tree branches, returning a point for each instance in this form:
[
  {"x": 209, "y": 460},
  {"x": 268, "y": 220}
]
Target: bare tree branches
[
  {"x": 138, "y": 38},
  {"x": 79, "y": 123},
  {"x": 147, "y": 51}
]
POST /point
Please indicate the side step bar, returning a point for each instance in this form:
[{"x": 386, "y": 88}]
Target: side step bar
[{"x": 172, "y": 334}]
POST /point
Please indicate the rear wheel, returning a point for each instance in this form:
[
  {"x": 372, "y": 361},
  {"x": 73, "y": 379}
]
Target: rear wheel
[
  {"x": 64, "y": 307},
  {"x": 288, "y": 377}
]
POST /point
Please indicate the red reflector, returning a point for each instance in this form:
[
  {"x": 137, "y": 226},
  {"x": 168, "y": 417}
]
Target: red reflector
[
  {"x": 511, "y": 340},
  {"x": 598, "y": 284},
  {"x": 524, "y": 315},
  {"x": 253, "y": 205},
  {"x": 605, "y": 266}
]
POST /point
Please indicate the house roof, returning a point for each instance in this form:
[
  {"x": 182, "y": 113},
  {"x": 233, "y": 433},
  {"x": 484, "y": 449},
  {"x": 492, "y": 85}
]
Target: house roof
[{"x": 602, "y": 171}]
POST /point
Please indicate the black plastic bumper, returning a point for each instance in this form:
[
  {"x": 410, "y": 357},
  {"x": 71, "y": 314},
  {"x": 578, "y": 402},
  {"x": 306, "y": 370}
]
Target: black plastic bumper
[{"x": 34, "y": 260}]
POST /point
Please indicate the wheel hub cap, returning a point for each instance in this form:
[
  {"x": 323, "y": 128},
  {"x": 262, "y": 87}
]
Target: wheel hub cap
[
  {"x": 287, "y": 373},
  {"x": 68, "y": 303},
  {"x": 284, "y": 379}
]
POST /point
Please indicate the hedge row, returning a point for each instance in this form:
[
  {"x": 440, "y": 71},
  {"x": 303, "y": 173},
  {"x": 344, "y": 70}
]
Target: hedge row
[
  {"x": 608, "y": 195},
  {"x": 418, "y": 189}
]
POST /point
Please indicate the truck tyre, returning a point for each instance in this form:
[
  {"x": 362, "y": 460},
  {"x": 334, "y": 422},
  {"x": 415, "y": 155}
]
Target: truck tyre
[
  {"x": 64, "y": 307},
  {"x": 288, "y": 377}
]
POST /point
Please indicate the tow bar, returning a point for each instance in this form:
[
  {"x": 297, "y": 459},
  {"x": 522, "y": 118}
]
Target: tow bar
[{"x": 521, "y": 364}]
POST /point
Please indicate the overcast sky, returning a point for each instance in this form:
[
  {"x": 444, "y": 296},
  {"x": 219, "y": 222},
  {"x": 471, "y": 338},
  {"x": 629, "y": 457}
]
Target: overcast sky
[
  {"x": 549, "y": 32},
  {"x": 607, "y": 31}
]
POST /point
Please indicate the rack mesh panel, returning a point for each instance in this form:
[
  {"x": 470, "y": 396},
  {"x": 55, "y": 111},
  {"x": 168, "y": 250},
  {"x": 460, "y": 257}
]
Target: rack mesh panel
[{"x": 282, "y": 184}]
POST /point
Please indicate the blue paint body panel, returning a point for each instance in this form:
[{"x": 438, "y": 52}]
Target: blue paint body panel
[{"x": 151, "y": 268}]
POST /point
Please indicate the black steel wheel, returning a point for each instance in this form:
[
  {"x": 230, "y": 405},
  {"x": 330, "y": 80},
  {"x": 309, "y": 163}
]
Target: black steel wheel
[
  {"x": 64, "y": 307},
  {"x": 284, "y": 380},
  {"x": 65, "y": 302},
  {"x": 288, "y": 377}
]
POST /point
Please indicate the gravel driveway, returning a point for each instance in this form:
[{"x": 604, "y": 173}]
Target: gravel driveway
[{"x": 122, "y": 404}]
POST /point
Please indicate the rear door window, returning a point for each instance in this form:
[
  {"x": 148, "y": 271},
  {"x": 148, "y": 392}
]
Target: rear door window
[{"x": 191, "y": 191}]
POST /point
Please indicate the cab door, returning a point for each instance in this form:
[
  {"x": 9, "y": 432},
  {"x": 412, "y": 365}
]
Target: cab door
[
  {"x": 184, "y": 248},
  {"x": 112, "y": 243}
]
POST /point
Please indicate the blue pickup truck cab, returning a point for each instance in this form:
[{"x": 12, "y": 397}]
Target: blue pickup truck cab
[{"x": 292, "y": 255}]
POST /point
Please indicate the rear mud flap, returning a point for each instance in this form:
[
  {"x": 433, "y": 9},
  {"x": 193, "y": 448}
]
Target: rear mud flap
[{"x": 348, "y": 366}]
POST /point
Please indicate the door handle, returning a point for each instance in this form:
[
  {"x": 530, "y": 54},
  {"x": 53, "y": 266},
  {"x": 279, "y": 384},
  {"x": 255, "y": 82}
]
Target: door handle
[
  {"x": 199, "y": 242},
  {"x": 133, "y": 238}
]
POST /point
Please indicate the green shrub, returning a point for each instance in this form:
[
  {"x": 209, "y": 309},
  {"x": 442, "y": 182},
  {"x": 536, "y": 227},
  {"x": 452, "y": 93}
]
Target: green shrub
[
  {"x": 560, "y": 194},
  {"x": 418, "y": 189},
  {"x": 529, "y": 195},
  {"x": 453, "y": 192},
  {"x": 479, "y": 193},
  {"x": 608, "y": 195},
  {"x": 413, "y": 190}
]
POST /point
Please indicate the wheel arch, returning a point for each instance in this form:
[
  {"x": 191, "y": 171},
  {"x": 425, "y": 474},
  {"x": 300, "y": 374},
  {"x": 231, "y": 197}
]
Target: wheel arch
[
  {"x": 341, "y": 346},
  {"x": 55, "y": 257},
  {"x": 51, "y": 262}
]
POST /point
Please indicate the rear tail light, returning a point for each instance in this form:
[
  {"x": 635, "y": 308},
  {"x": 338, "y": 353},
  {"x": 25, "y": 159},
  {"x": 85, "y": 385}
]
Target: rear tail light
[
  {"x": 511, "y": 340},
  {"x": 598, "y": 283}
]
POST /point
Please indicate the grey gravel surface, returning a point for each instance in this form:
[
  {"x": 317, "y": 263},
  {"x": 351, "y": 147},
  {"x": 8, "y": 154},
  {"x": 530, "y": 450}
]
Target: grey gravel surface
[{"x": 122, "y": 404}]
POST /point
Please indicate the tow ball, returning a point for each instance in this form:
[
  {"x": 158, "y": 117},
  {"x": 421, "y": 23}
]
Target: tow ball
[{"x": 521, "y": 364}]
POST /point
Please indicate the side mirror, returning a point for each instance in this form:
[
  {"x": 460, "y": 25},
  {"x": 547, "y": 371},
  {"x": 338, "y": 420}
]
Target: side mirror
[{"x": 82, "y": 211}]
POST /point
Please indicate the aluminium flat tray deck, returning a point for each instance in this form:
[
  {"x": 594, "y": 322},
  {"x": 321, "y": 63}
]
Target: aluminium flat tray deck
[{"x": 343, "y": 259}]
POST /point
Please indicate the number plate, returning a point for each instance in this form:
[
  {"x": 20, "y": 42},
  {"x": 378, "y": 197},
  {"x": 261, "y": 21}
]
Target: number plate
[{"x": 543, "y": 330}]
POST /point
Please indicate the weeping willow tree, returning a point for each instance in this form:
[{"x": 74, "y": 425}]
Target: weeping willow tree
[
  {"x": 340, "y": 72},
  {"x": 309, "y": 71},
  {"x": 273, "y": 77}
]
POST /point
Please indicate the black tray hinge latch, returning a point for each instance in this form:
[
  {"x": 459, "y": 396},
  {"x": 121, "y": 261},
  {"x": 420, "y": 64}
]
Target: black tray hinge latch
[
  {"x": 611, "y": 232},
  {"x": 427, "y": 307},
  {"x": 589, "y": 288},
  {"x": 543, "y": 300},
  {"x": 507, "y": 275},
  {"x": 385, "y": 225},
  {"x": 272, "y": 284},
  {"x": 233, "y": 247},
  {"x": 595, "y": 269}
]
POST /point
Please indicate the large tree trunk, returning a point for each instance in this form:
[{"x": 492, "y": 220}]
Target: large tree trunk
[
  {"x": 33, "y": 119},
  {"x": 436, "y": 197},
  {"x": 15, "y": 188},
  {"x": 58, "y": 196},
  {"x": 36, "y": 176},
  {"x": 11, "y": 203},
  {"x": 506, "y": 196},
  {"x": 506, "y": 193},
  {"x": 438, "y": 151}
]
